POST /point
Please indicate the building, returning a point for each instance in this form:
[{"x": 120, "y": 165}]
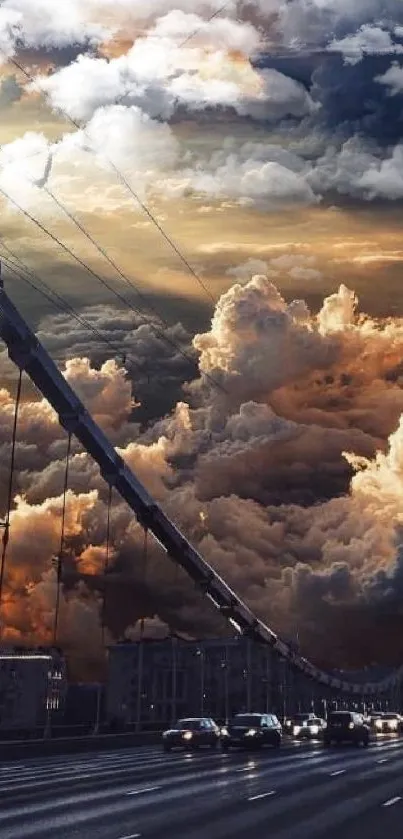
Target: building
[
  {"x": 153, "y": 682},
  {"x": 33, "y": 686},
  {"x": 81, "y": 705}
]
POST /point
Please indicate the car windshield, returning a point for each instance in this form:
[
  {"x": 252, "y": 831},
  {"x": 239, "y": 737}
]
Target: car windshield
[
  {"x": 189, "y": 724},
  {"x": 246, "y": 719},
  {"x": 301, "y": 717},
  {"x": 339, "y": 718},
  {"x": 390, "y": 716}
]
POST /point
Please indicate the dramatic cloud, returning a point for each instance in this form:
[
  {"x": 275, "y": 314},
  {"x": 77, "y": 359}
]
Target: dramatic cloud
[
  {"x": 335, "y": 129},
  {"x": 44, "y": 25},
  {"x": 255, "y": 473},
  {"x": 368, "y": 40},
  {"x": 393, "y": 79},
  {"x": 281, "y": 457}
]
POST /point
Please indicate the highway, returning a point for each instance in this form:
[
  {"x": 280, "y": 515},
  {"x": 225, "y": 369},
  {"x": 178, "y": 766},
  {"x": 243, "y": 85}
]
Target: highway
[{"x": 301, "y": 791}]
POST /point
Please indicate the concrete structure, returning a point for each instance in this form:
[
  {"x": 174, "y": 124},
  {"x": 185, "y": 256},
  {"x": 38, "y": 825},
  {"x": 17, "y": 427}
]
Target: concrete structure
[
  {"x": 33, "y": 686},
  {"x": 151, "y": 683}
]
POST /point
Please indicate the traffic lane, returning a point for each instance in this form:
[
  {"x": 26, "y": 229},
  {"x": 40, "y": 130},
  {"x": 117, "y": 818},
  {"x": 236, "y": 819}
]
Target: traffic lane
[
  {"x": 187, "y": 805},
  {"x": 51, "y": 774},
  {"x": 122, "y": 769},
  {"x": 48, "y": 778},
  {"x": 148, "y": 755},
  {"x": 382, "y": 819},
  {"x": 281, "y": 804},
  {"x": 191, "y": 770}
]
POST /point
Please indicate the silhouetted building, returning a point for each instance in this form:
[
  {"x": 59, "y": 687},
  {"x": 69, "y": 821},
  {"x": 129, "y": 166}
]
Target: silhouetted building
[
  {"x": 152, "y": 682},
  {"x": 32, "y": 688},
  {"x": 81, "y": 704}
]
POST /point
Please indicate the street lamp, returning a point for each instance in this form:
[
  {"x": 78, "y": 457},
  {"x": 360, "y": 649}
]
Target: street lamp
[
  {"x": 224, "y": 669},
  {"x": 201, "y": 654}
]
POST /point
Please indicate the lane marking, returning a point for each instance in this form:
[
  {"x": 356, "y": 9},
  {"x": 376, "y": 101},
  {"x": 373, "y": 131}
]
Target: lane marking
[
  {"x": 262, "y": 795},
  {"x": 392, "y": 801},
  {"x": 132, "y": 836},
  {"x": 140, "y": 791},
  {"x": 383, "y": 760},
  {"x": 246, "y": 769},
  {"x": 339, "y": 772}
]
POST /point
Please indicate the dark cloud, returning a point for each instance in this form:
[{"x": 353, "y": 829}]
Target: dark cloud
[
  {"x": 287, "y": 475},
  {"x": 158, "y": 359},
  {"x": 255, "y": 474},
  {"x": 10, "y": 91}
]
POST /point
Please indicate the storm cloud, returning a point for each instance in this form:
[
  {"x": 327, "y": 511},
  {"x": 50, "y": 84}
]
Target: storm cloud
[
  {"x": 274, "y": 436},
  {"x": 288, "y": 477},
  {"x": 329, "y": 90}
]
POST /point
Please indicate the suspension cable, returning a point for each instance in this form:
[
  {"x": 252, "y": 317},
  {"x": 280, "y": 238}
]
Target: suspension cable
[
  {"x": 56, "y": 300},
  {"x": 6, "y": 523},
  {"x": 160, "y": 332},
  {"x": 59, "y": 561},
  {"x": 145, "y": 554},
  {"x": 122, "y": 179}
]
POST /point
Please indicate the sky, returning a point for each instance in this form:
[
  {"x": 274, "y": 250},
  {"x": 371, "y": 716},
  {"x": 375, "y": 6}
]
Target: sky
[{"x": 216, "y": 191}]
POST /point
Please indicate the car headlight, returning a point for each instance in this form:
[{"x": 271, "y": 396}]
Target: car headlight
[
  {"x": 393, "y": 724},
  {"x": 296, "y": 729},
  {"x": 187, "y": 735},
  {"x": 251, "y": 732},
  {"x": 351, "y": 725},
  {"x": 378, "y": 723},
  {"x": 288, "y": 723},
  {"x": 314, "y": 729},
  {"x": 224, "y": 732}
]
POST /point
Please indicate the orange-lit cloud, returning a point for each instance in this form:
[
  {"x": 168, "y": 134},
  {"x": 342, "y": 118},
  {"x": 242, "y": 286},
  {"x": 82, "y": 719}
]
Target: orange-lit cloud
[{"x": 257, "y": 475}]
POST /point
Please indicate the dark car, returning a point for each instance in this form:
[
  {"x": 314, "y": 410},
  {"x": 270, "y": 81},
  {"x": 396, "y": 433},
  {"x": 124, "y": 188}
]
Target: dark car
[
  {"x": 252, "y": 731},
  {"x": 386, "y": 723},
  {"x": 346, "y": 727},
  {"x": 191, "y": 733},
  {"x": 308, "y": 729}
]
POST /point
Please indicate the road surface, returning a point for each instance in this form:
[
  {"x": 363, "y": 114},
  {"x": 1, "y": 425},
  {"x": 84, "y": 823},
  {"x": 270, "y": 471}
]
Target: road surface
[{"x": 302, "y": 791}]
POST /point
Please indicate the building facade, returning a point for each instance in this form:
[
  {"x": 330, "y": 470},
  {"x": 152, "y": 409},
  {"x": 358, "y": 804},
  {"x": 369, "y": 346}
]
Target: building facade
[
  {"x": 151, "y": 683},
  {"x": 33, "y": 687}
]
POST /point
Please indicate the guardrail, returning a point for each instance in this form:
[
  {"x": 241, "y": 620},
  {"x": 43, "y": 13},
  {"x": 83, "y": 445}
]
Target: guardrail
[{"x": 17, "y": 749}]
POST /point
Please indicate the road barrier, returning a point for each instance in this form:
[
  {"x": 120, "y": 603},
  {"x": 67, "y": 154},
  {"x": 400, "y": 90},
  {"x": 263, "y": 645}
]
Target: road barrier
[{"x": 20, "y": 749}]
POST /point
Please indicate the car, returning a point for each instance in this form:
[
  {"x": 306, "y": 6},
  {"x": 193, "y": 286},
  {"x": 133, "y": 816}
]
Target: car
[
  {"x": 346, "y": 727},
  {"x": 309, "y": 729},
  {"x": 252, "y": 731},
  {"x": 297, "y": 720},
  {"x": 389, "y": 723},
  {"x": 191, "y": 733}
]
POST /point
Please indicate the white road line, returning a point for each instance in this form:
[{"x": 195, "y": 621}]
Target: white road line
[
  {"x": 132, "y": 836},
  {"x": 140, "y": 791},
  {"x": 339, "y": 772},
  {"x": 392, "y": 801},
  {"x": 383, "y": 760},
  {"x": 12, "y": 768},
  {"x": 246, "y": 769},
  {"x": 262, "y": 795}
]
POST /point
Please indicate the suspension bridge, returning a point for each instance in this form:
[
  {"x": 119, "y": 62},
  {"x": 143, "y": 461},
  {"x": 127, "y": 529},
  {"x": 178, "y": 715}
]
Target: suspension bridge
[{"x": 31, "y": 358}]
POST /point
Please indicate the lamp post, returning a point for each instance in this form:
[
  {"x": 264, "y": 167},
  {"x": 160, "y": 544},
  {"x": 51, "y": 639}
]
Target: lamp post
[
  {"x": 224, "y": 669},
  {"x": 174, "y": 678},
  {"x": 267, "y": 679},
  {"x": 200, "y": 654},
  {"x": 139, "y": 684},
  {"x": 248, "y": 673}
]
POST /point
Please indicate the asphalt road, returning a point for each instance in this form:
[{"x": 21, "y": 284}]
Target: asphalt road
[{"x": 301, "y": 791}]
